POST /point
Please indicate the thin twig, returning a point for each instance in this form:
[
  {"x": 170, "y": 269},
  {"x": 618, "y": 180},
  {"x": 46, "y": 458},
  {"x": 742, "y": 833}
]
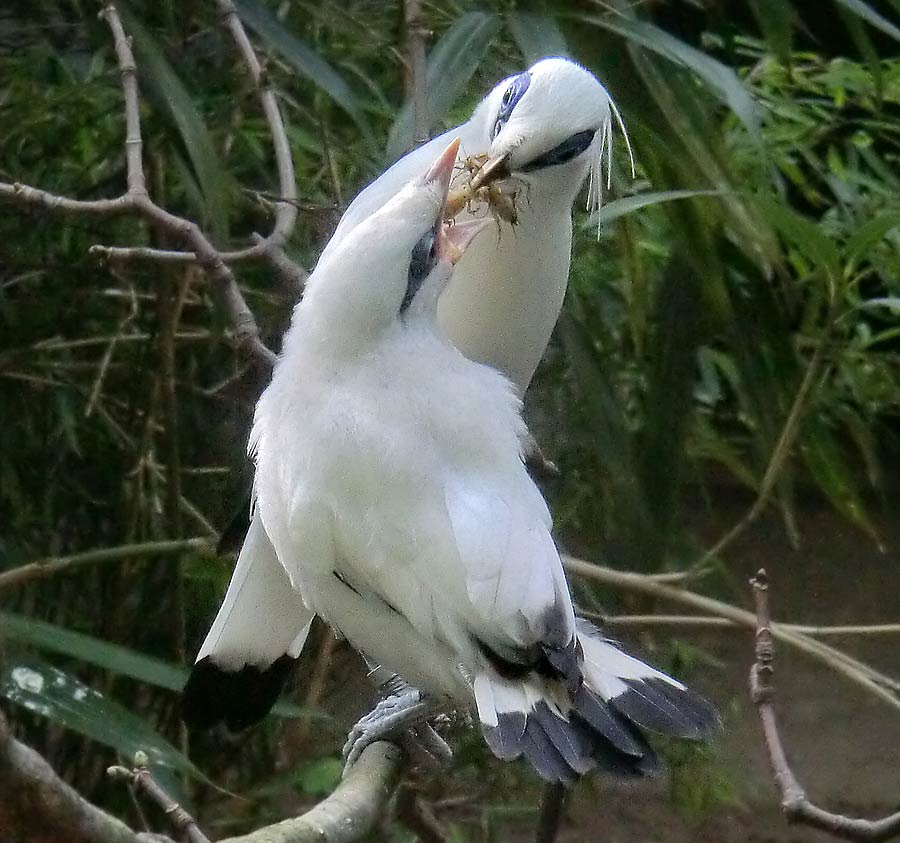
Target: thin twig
[
  {"x": 136, "y": 200},
  {"x": 418, "y": 817},
  {"x": 778, "y": 458},
  {"x": 794, "y": 802},
  {"x": 703, "y": 621},
  {"x": 45, "y": 568},
  {"x": 141, "y": 779}
]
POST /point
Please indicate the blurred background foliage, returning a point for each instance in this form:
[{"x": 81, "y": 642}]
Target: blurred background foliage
[{"x": 734, "y": 324}]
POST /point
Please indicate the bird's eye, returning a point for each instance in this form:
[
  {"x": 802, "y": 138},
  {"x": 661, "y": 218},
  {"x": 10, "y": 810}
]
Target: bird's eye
[
  {"x": 511, "y": 96},
  {"x": 421, "y": 261}
]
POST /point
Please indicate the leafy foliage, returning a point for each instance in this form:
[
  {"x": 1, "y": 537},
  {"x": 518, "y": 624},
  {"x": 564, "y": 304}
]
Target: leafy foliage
[{"x": 738, "y": 313}]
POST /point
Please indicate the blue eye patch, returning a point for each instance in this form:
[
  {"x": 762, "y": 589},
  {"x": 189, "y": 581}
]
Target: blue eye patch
[{"x": 511, "y": 96}]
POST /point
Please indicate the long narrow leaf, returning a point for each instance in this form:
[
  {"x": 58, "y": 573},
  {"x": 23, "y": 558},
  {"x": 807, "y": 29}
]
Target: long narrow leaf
[
  {"x": 870, "y": 16},
  {"x": 173, "y": 98},
  {"x": 303, "y": 59},
  {"x": 722, "y": 80},
  {"x": 537, "y": 36},
  {"x": 629, "y": 204},
  {"x": 61, "y": 698},
  {"x": 451, "y": 64}
]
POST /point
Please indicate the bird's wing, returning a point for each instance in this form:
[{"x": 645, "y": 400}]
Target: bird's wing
[
  {"x": 514, "y": 577},
  {"x": 414, "y": 163},
  {"x": 261, "y": 617},
  {"x": 256, "y": 637}
]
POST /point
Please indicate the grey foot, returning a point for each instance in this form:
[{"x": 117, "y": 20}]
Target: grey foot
[{"x": 388, "y": 719}]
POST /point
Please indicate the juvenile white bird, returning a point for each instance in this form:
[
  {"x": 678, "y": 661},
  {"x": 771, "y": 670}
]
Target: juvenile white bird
[
  {"x": 391, "y": 483},
  {"x": 550, "y": 127}
]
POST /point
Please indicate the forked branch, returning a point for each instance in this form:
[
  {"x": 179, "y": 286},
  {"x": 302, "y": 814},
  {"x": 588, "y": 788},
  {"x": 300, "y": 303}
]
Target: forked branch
[{"x": 794, "y": 802}]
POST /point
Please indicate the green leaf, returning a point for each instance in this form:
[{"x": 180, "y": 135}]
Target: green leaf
[
  {"x": 629, "y": 204},
  {"x": 118, "y": 659},
  {"x": 451, "y": 64},
  {"x": 868, "y": 235},
  {"x": 537, "y": 36},
  {"x": 776, "y": 19},
  {"x": 806, "y": 237},
  {"x": 870, "y": 16},
  {"x": 63, "y": 699},
  {"x": 170, "y": 94},
  {"x": 303, "y": 59},
  {"x": 321, "y": 776},
  {"x": 826, "y": 463},
  {"x": 721, "y": 79},
  {"x": 114, "y": 657}
]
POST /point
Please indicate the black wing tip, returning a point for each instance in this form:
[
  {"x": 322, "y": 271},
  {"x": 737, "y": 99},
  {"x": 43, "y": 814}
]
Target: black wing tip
[
  {"x": 239, "y": 698},
  {"x": 662, "y": 707}
]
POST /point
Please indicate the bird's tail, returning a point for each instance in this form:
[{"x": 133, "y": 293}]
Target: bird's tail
[{"x": 565, "y": 733}]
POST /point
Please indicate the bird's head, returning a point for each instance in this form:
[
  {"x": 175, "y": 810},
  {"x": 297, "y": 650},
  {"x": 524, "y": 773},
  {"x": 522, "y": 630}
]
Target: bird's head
[
  {"x": 394, "y": 264},
  {"x": 553, "y": 124}
]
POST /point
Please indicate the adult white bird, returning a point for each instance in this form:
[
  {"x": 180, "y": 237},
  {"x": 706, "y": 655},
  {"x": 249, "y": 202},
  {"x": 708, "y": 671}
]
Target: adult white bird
[
  {"x": 390, "y": 479},
  {"x": 551, "y": 128}
]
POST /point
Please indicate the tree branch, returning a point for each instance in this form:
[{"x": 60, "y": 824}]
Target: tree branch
[
  {"x": 141, "y": 779},
  {"x": 416, "y": 36},
  {"x": 851, "y": 668},
  {"x": 136, "y": 200},
  {"x": 44, "y": 568},
  {"x": 794, "y": 802},
  {"x": 37, "y": 806}
]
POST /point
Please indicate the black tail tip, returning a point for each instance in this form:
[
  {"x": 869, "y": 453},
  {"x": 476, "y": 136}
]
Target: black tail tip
[{"x": 239, "y": 698}]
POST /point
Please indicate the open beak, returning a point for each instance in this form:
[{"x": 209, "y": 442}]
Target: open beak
[{"x": 452, "y": 238}]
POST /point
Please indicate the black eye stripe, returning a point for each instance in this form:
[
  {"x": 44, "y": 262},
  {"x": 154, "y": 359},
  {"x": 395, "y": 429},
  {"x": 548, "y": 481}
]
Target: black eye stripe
[
  {"x": 421, "y": 262},
  {"x": 566, "y": 151}
]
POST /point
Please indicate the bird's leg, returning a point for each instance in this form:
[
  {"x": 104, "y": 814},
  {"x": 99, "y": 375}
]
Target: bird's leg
[
  {"x": 402, "y": 709},
  {"x": 401, "y": 715}
]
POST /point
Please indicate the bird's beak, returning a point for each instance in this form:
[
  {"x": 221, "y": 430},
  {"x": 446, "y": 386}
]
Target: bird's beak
[
  {"x": 442, "y": 170},
  {"x": 454, "y": 238}
]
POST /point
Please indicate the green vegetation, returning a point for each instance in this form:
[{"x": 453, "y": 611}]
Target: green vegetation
[{"x": 737, "y": 317}]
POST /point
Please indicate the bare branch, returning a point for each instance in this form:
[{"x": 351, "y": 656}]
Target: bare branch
[
  {"x": 271, "y": 247},
  {"x": 35, "y": 799},
  {"x": 44, "y": 568},
  {"x": 847, "y": 666},
  {"x": 224, "y": 285},
  {"x": 416, "y": 36},
  {"x": 350, "y": 812},
  {"x": 794, "y": 802},
  {"x": 141, "y": 779}
]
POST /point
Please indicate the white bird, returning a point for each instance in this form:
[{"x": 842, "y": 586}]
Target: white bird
[
  {"x": 551, "y": 128},
  {"x": 390, "y": 480}
]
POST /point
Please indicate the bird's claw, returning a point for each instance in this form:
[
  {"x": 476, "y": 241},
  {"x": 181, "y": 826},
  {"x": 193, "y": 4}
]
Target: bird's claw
[{"x": 390, "y": 717}]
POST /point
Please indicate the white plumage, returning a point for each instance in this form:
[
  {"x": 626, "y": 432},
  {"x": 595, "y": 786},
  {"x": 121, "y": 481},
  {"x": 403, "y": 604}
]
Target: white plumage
[
  {"x": 499, "y": 308},
  {"x": 391, "y": 483}
]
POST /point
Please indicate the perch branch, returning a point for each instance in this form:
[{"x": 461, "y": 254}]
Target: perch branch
[
  {"x": 794, "y": 802},
  {"x": 141, "y": 779},
  {"x": 37, "y": 804}
]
